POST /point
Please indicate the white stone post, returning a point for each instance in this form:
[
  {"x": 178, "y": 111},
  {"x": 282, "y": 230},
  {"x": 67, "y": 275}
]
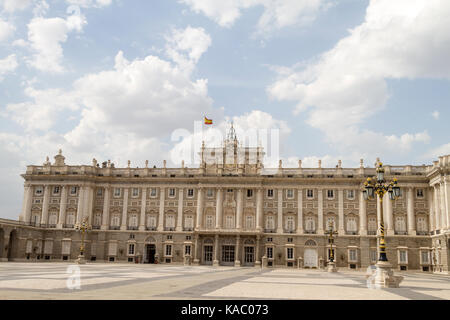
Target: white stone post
[
  {"x": 45, "y": 205},
  {"x": 410, "y": 212},
  {"x": 362, "y": 215},
  {"x": 237, "y": 261},
  {"x": 123, "y": 225},
  {"x": 90, "y": 204},
  {"x": 62, "y": 207},
  {"x": 216, "y": 251},
  {"x": 299, "y": 211},
  {"x": 219, "y": 208},
  {"x": 162, "y": 197},
  {"x": 143, "y": 208},
  {"x": 106, "y": 204},
  {"x": 341, "y": 230},
  {"x": 239, "y": 208},
  {"x": 179, "y": 226},
  {"x": 280, "y": 211},
  {"x": 27, "y": 203},
  {"x": 320, "y": 211}
]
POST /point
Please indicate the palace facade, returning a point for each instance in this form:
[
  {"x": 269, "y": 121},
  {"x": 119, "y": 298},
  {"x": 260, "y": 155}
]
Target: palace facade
[{"x": 230, "y": 211}]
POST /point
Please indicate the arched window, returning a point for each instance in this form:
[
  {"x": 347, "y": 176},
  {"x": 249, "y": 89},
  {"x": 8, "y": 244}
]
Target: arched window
[
  {"x": 133, "y": 221},
  {"x": 97, "y": 220},
  {"x": 189, "y": 221},
  {"x": 270, "y": 223},
  {"x": 290, "y": 223},
  {"x": 115, "y": 220},
  {"x": 229, "y": 222},
  {"x": 170, "y": 221},
  {"x": 372, "y": 224},
  {"x": 351, "y": 224},
  {"x": 151, "y": 221},
  {"x": 310, "y": 224},
  {"x": 249, "y": 222},
  {"x": 209, "y": 221},
  {"x": 422, "y": 225},
  {"x": 331, "y": 221},
  {"x": 53, "y": 218},
  {"x": 70, "y": 218}
]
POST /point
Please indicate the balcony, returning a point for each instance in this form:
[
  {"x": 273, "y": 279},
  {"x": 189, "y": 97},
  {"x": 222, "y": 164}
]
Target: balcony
[
  {"x": 310, "y": 231},
  {"x": 150, "y": 228},
  {"x": 371, "y": 233},
  {"x": 68, "y": 226},
  {"x": 351, "y": 233},
  {"x": 114, "y": 228},
  {"x": 188, "y": 229},
  {"x": 423, "y": 233},
  {"x": 96, "y": 227},
  {"x": 288, "y": 231},
  {"x": 400, "y": 233},
  {"x": 169, "y": 229},
  {"x": 132, "y": 228},
  {"x": 51, "y": 226},
  {"x": 269, "y": 230}
]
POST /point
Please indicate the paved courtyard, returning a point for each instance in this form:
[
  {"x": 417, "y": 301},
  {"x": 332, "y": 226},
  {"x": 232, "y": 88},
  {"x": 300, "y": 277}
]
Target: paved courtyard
[{"x": 128, "y": 281}]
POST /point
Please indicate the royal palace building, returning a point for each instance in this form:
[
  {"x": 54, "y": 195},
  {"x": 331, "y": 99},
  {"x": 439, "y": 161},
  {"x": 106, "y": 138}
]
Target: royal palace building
[{"x": 230, "y": 211}]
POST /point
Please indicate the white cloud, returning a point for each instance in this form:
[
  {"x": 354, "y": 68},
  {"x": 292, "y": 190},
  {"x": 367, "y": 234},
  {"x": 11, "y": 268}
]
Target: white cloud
[
  {"x": 6, "y": 30},
  {"x": 435, "y": 115},
  {"x": 185, "y": 47},
  {"x": 45, "y": 37},
  {"x": 437, "y": 152},
  {"x": 15, "y": 5},
  {"x": 7, "y": 65},
  {"x": 90, "y": 3},
  {"x": 347, "y": 85},
  {"x": 277, "y": 13}
]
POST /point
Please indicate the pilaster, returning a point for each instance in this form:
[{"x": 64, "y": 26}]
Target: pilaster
[
  {"x": 106, "y": 203},
  {"x": 280, "y": 211},
  {"x": 44, "y": 219},
  {"x": 62, "y": 207},
  {"x": 123, "y": 225},
  {"x": 143, "y": 208},
  {"x": 300, "y": 211},
  {"x": 179, "y": 226}
]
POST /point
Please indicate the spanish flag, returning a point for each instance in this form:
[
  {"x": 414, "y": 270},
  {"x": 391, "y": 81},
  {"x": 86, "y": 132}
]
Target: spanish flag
[{"x": 208, "y": 121}]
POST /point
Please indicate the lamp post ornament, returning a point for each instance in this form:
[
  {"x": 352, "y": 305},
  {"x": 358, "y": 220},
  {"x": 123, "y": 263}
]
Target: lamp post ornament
[
  {"x": 330, "y": 233},
  {"x": 83, "y": 227},
  {"x": 378, "y": 186}
]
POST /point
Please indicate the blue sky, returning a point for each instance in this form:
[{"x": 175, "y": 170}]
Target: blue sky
[{"x": 112, "y": 79}]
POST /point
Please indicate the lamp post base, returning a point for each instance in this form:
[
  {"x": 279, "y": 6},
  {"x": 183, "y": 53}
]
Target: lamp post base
[
  {"x": 384, "y": 276},
  {"x": 81, "y": 259},
  {"x": 332, "y": 267}
]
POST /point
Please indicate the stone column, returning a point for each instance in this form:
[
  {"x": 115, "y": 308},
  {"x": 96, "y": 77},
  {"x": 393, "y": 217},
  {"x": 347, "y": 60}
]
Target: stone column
[
  {"x": 44, "y": 219},
  {"x": 216, "y": 251},
  {"x": 143, "y": 208},
  {"x": 299, "y": 211},
  {"x": 123, "y": 225},
  {"x": 447, "y": 201},
  {"x": 237, "y": 260},
  {"x": 219, "y": 208},
  {"x": 410, "y": 212},
  {"x": 362, "y": 215},
  {"x": 257, "y": 258},
  {"x": 80, "y": 204},
  {"x": 239, "y": 208},
  {"x": 27, "y": 203},
  {"x": 62, "y": 207},
  {"x": 259, "y": 209},
  {"x": 106, "y": 204},
  {"x": 341, "y": 230},
  {"x": 389, "y": 216},
  {"x": 443, "y": 206},
  {"x": 199, "y": 223},
  {"x": 280, "y": 211},
  {"x": 431, "y": 209},
  {"x": 379, "y": 214},
  {"x": 320, "y": 211},
  {"x": 162, "y": 197},
  {"x": 90, "y": 204},
  {"x": 437, "y": 207},
  {"x": 179, "y": 226}
]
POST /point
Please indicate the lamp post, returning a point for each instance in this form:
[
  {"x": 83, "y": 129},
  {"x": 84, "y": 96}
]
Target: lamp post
[
  {"x": 377, "y": 186},
  {"x": 83, "y": 227},
  {"x": 330, "y": 233}
]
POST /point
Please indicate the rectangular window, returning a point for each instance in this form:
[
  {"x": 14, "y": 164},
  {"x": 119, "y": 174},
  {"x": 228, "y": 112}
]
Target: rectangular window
[
  {"x": 112, "y": 249},
  {"x": 249, "y": 193},
  {"x": 350, "y": 194},
  {"x": 210, "y": 193},
  {"x": 269, "y": 193},
  {"x": 352, "y": 255},
  {"x": 290, "y": 239},
  {"x": 135, "y": 192},
  {"x": 269, "y": 253},
  {"x": 39, "y": 190},
  {"x": 373, "y": 255},
  {"x": 402, "y": 256},
  {"x": 171, "y": 192},
  {"x": 419, "y": 193},
  {"x": 310, "y": 193},
  {"x": 188, "y": 237},
  {"x": 290, "y": 194},
  {"x": 153, "y": 192},
  {"x": 187, "y": 250},
  {"x": 290, "y": 253},
  {"x": 116, "y": 192},
  {"x": 131, "y": 249},
  {"x": 330, "y": 194},
  {"x": 190, "y": 193},
  {"x": 56, "y": 190},
  {"x": 168, "y": 249},
  {"x": 99, "y": 192},
  {"x": 209, "y": 222}
]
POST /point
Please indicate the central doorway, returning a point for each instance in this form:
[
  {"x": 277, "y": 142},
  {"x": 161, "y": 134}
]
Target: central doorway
[
  {"x": 150, "y": 251},
  {"x": 228, "y": 255},
  {"x": 249, "y": 256},
  {"x": 207, "y": 254},
  {"x": 310, "y": 258}
]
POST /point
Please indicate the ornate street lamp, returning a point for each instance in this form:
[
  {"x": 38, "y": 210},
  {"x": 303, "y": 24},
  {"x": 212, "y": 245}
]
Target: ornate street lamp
[
  {"x": 378, "y": 186},
  {"x": 83, "y": 227},
  {"x": 330, "y": 232}
]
